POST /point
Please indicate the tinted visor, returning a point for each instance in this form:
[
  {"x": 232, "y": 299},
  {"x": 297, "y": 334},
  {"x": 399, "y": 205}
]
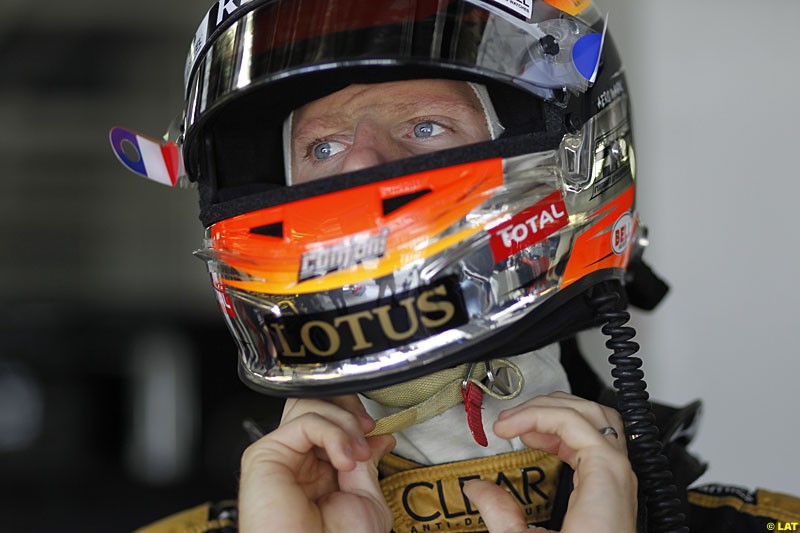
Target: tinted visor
[{"x": 280, "y": 38}]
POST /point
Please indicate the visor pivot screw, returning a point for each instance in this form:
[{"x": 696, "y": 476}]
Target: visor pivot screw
[
  {"x": 573, "y": 122},
  {"x": 549, "y": 45}
]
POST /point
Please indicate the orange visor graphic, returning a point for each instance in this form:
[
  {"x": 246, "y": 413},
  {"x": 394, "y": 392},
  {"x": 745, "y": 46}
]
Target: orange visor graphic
[{"x": 344, "y": 237}]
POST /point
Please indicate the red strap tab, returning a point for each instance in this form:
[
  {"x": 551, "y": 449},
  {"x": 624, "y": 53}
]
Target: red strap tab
[{"x": 473, "y": 404}]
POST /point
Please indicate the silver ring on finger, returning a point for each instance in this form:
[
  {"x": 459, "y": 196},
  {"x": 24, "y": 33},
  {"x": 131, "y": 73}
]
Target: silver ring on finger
[{"x": 608, "y": 430}]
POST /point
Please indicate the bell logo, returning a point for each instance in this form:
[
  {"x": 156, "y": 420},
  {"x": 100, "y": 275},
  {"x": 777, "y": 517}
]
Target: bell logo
[
  {"x": 528, "y": 227},
  {"x": 622, "y": 233}
]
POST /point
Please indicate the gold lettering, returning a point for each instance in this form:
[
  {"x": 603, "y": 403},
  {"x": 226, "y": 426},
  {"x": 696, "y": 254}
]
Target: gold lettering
[
  {"x": 287, "y": 350},
  {"x": 330, "y": 331},
  {"x": 425, "y": 305},
  {"x": 353, "y": 323},
  {"x": 387, "y": 326}
]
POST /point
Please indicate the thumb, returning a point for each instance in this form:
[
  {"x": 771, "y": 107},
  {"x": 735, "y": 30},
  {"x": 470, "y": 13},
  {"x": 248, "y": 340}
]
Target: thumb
[
  {"x": 498, "y": 508},
  {"x": 363, "y": 479}
]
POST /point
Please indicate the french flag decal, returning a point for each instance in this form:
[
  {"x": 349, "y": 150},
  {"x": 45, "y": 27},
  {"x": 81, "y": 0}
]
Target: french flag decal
[{"x": 147, "y": 157}]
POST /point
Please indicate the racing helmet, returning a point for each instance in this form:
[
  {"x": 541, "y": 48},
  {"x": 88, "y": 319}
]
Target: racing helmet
[{"x": 369, "y": 278}]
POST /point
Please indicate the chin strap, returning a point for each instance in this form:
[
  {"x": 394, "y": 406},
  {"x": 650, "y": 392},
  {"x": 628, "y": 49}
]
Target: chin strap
[{"x": 425, "y": 397}]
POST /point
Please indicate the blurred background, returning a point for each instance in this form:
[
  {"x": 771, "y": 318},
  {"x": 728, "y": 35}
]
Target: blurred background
[{"x": 119, "y": 400}]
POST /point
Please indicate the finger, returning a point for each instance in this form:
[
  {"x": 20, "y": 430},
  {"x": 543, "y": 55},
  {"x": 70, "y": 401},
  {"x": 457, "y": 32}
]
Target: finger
[
  {"x": 604, "y": 483},
  {"x": 341, "y": 410},
  {"x": 599, "y": 416},
  {"x": 348, "y": 402},
  {"x": 574, "y": 431},
  {"x": 379, "y": 446},
  {"x": 272, "y": 473},
  {"x": 604, "y": 493},
  {"x": 593, "y": 411},
  {"x": 325, "y": 408},
  {"x": 353, "y": 513},
  {"x": 352, "y": 403},
  {"x": 292, "y": 441},
  {"x": 363, "y": 482},
  {"x": 497, "y": 507}
]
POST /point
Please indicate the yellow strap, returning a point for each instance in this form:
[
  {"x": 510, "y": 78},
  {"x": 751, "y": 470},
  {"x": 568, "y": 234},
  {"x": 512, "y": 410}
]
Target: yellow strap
[
  {"x": 775, "y": 505},
  {"x": 431, "y": 498},
  {"x": 433, "y": 394}
]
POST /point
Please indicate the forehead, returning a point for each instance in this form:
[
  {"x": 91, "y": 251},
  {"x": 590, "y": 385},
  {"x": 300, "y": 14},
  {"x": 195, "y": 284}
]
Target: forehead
[{"x": 388, "y": 98}]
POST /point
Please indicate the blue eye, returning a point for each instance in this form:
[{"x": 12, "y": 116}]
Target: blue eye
[
  {"x": 427, "y": 129},
  {"x": 327, "y": 149}
]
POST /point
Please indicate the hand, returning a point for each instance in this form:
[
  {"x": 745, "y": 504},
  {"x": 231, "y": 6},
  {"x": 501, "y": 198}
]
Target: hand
[
  {"x": 316, "y": 472},
  {"x": 604, "y": 494}
]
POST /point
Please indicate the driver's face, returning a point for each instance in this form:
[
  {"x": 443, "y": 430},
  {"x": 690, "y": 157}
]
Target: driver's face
[{"x": 366, "y": 125}]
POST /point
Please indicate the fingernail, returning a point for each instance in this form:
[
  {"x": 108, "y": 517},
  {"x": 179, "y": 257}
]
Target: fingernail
[
  {"x": 367, "y": 422},
  {"x": 467, "y": 487}
]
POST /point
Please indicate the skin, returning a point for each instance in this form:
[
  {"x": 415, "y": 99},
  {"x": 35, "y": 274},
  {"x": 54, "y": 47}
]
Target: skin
[
  {"x": 604, "y": 494},
  {"x": 317, "y": 472},
  {"x": 365, "y": 125}
]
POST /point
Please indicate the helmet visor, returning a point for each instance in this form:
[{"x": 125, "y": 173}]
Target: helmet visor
[{"x": 238, "y": 48}]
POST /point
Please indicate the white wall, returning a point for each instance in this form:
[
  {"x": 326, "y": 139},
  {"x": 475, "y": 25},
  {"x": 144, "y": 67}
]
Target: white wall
[{"x": 716, "y": 115}]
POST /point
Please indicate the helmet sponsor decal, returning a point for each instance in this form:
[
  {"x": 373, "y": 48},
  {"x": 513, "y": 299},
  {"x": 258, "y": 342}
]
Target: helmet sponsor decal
[
  {"x": 523, "y": 8},
  {"x": 346, "y": 254},
  {"x": 608, "y": 96},
  {"x": 369, "y": 328},
  {"x": 221, "y": 11},
  {"x": 622, "y": 233},
  {"x": 530, "y": 226},
  {"x": 573, "y": 7}
]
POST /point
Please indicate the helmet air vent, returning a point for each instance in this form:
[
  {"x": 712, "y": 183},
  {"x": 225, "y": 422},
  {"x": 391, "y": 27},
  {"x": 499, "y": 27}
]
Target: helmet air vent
[
  {"x": 391, "y": 205},
  {"x": 270, "y": 230}
]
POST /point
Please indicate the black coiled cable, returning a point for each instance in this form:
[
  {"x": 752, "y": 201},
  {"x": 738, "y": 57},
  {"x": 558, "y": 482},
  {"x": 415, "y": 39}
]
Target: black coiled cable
[{"x": 644, "y": 449}]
